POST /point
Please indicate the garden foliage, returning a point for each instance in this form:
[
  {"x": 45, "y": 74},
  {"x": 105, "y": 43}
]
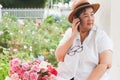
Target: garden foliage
[{"x": 28, "y": 39}]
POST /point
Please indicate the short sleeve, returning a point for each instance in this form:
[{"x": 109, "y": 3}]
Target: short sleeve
[
  {"x": 104, "y": 42},
  {"x": 66, "y": 36}
]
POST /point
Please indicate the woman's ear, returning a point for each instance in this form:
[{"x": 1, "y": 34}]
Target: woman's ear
[{"x": 74, "y": 17}]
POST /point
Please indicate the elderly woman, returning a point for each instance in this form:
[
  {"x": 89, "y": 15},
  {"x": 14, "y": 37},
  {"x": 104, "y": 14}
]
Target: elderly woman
[{"x": 85, "y": 52}]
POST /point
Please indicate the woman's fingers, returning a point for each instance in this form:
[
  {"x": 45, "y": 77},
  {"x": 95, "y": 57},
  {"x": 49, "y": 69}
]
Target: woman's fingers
[
  {"x": 76, "y": 23},
  {"x": 76, "y": 20}
]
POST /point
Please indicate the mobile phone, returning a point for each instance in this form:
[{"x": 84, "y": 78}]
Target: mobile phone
[{"x": 79, "y": 26}]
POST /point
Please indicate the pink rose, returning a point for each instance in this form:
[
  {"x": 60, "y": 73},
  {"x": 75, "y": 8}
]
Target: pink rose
[
  {"x": 35, "y": 68},
  {"x": 25, "y": 66},
  {"x": 33, "y": 76},
  {"x": 16, "y": 68},
  {"x": 26, "y": 76},
  {"x": 36, "y": 62},
  {"x": 15, "y": 62},
  {"x": 15, "y": 76}
]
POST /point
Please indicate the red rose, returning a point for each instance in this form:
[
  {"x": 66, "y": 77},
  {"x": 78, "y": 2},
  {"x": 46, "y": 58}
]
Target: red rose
[{"x": 53, "y": 71}]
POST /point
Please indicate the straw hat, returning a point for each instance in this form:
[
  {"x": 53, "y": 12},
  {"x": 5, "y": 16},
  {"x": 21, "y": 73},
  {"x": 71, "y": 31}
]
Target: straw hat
[{"x": 78, "y": 4}]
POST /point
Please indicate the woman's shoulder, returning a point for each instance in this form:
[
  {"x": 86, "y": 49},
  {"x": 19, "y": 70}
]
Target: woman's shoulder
[
  {"x": 101, "y": 34},
  {"x": 68, "y": 31},
  {"x": 99, "y": 30}
]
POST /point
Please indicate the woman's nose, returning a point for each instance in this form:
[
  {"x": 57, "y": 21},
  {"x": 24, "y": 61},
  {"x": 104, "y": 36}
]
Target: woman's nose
[{"x": 90, "y": 17}]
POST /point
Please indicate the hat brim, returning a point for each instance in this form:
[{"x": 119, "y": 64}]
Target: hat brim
[{"x": 95, "y": 8}]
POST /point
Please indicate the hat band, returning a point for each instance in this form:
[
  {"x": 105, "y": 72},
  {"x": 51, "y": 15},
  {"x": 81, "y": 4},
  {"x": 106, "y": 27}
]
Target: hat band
[{"x": 83, "y": 4}]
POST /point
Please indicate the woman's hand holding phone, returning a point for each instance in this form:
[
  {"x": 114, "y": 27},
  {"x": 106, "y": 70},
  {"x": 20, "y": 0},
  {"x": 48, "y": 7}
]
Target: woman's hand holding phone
[{"x": 75, "y": 25}]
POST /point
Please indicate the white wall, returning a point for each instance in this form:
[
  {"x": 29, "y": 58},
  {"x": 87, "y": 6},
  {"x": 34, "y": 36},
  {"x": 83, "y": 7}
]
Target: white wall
[
  {"x": 115, "y": 33},
  {"x": 108, "y": 17}
]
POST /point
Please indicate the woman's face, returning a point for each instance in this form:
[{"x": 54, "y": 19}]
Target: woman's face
[{"x": 87, "y": 19}]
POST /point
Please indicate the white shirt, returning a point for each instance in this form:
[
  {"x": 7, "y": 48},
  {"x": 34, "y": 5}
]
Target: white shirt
[{"x": 86, "y": 57}]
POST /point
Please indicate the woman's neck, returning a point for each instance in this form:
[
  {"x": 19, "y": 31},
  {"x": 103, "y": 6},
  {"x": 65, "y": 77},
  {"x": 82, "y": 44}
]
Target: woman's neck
[{"x": 83, "y": 35}]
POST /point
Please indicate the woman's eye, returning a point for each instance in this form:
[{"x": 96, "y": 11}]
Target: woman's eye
[
  {"x": 92, "y": 14},
  {"x": 86, "y": 16}
]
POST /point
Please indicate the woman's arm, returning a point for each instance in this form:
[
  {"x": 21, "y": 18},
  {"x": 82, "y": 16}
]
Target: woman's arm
[
  {"x": 63, "y": 49},
  {"x": 104, "y": 64}
]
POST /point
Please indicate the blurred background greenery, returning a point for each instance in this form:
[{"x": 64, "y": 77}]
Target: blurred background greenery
[
  {"x": 30, "y": 3},
  {"x": 29, "y": 39}
]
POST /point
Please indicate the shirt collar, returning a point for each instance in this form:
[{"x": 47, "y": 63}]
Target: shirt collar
[{"x": 94, "y": 28}]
